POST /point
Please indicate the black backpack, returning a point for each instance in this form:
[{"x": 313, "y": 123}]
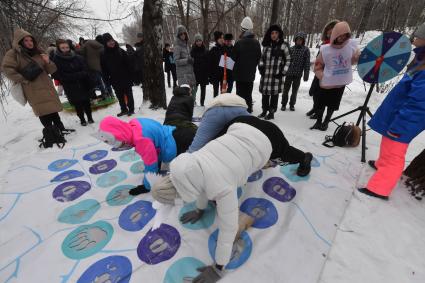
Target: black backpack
[
  {"x": 52, "y": 135},
  {"x": 344, "y": 136}
]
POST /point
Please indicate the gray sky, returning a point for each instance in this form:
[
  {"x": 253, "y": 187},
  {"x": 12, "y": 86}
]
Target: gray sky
[{"x": 108, "y": 9}]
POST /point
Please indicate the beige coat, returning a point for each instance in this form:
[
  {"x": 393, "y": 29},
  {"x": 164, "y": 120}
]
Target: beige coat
[{"x": 40, "y": 93}]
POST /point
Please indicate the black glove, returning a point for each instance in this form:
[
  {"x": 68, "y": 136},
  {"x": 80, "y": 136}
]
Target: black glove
[
  {"x": 190, "y": 60},
  {"x": 209, "y": 274},
  {"x": 192, "y": 216},
  {"x": 138, "y": 190},
  {"x": 306, "y": 75}
]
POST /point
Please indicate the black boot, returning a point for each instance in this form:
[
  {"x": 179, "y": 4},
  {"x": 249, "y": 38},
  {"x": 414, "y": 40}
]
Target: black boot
[
  {"x": 292, "y": 108},
  {"x": 138, "y": 190},
  {"x": 283, "y": 108},
  {"x": 122, "y": 113},
  {"x": 305, "y": 167},
  {"x": 372, "y": 164},
  {"x": 270, "y": 116},
  {"x": 263, "y": 114},
  {"x": 316, "y": 126},
  {"x": 324, "y": 126},
  {"x": 83, "y": 123},
  {"x": 311, "y": 112},
  {"x": 314, "y": 116},
  {"x": 372, "y": 194}
]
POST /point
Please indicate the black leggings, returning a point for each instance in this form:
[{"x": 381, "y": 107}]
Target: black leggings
[
  {"x": 52, "y": 119},
  {"x": 217, "y": 88},
  {"x": 203, "y": 91},
  {"x": 83, "y": 107},
  {"x": 183, "y": 136}
]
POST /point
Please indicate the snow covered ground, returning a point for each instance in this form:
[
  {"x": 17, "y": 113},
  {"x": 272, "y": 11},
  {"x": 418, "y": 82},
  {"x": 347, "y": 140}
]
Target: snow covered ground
[{"x": 376, "y": 241}]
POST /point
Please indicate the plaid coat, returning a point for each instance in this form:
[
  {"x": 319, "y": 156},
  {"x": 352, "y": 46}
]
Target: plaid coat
[{"x": 274, "y": 64}]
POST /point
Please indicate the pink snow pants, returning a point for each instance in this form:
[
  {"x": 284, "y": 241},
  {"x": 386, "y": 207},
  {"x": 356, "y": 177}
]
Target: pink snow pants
[{"x": 390, "y": 166}]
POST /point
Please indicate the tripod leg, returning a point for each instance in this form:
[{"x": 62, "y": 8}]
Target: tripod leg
[
  {"x": 370, "y": 113},
  {"x": 364, "y": 138},
  {"x": 345, "y": 114}
]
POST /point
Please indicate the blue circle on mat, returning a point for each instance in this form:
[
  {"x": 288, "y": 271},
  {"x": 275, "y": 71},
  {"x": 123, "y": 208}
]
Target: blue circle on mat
[
  {"x": 130, "y": 156},
  {"x": 102, "y": 166},
  {"x": 137, "y": 168},
  {"x": 95, "y": 155},
  {"x": 61, "y": 164},
  {"x": 70, "y": 190},
  {"x": 114, "y": 268},
  {"x": 255, "y": 176},
  {"x": 207, "y": 218},
  {"x": 67, "y": 175},
  {"x": 262, "y": 210},
  {"x": 290, "y": 172},
  {"x": 279, "y": 189},
  {"x": 135, "y": 216},
  {"x": 111, "y": 178},
  {"x": 119, "y": 195},
  {"x": 87, "y": 240},
  {"x": 241, "y": 250},
  {"x": 183, "y": 270},
  {"x": 159, "y": 245},
  {"x": 80, "y": 212}
]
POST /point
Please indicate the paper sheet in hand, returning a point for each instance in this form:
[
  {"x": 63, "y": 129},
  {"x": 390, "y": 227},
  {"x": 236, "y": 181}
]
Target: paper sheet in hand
[{"x": 229, "y": 62}]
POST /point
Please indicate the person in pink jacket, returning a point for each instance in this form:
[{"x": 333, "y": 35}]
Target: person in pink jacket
[
  {"x": 333, "y": 68},
  {"x": 154, "y": 142}
]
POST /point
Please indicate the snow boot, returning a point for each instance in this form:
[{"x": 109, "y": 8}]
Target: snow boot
[
  {"x": 292, "y": 108},
  {"x": 372, "y": 194},
  {"x": 372, "y": 164},
  {"x": 283, "y": 108},
  {"x": 138, "y": 190},
  {"x": 122, "y": 113},
  {"x": 91, "y": 121},
  {"x": 305, "y": 166},
  {"x": 324, "y": 126},
  {"x": 311, "y": 112},
  {"x": 263, "y": 114},
  {"x": 83, "y": 123},
  {"x": 270, "y": 116},
  {"x": 316, "y": 126}
]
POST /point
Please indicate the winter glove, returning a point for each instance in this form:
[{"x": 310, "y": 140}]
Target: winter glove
[
  {"x": 306, "y": 75},
  {"x": 192, "y": 216},
  {"x": 209, "y": 274},
  {"x": 190, "y": 60},
  {"x": 279, "y": 75},
  {"x": 138, "y": 190}
]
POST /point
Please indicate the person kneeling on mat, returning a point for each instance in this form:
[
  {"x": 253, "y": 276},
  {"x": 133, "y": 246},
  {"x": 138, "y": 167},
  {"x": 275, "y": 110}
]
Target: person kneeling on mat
[
  {"x": 155, "y": 143},
  {"x": 282, "y": 152},
  {"x": 214, "y": 173}
]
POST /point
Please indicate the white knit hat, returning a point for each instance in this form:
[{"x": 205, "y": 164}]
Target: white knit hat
[{"x": 247, "y": 24}]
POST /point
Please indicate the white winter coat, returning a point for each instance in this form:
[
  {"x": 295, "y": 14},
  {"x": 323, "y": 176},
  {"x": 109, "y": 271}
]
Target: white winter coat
[{"x": 214, "y": 173}]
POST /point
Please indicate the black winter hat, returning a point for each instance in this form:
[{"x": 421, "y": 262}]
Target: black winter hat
[
  {"x": 217, "y": 35},
  {"x": 106, "y": 37},
  {"x": 99, "y": 38},
  {"x": 228, "y": 36}
]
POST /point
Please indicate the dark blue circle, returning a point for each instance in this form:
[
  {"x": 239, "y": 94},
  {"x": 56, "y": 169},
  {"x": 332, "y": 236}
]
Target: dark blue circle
[
  {"x": 135, "y": 216},
  {"x": 262, "y": 210},
  {"x": 115, "y": 268},
  {"x": 95, "y": 155},
  {"x": 255, "y": 176},
  {"x": 67, "y": 175}
]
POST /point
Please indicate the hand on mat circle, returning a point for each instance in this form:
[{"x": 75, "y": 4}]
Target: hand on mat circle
[
  {"x": 87, "y": 238},
  {"x": 209, "y": 274},
  {"x": 192, "y": 216}
]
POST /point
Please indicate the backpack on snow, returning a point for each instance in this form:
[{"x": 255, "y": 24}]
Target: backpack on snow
[
  {"x": 52, "y": 135},
  {"x": 344, "y": 136}
]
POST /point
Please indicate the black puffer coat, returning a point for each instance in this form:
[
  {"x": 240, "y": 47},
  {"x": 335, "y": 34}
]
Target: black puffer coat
[
  {"x": 117, "y": 68},
  {"x": 246, "y": 54},
  {"x": 180, "y": 106},
  {"x": 73, "y": 74},
  {"x": 214, "y": 56},
  {"x": 200, "y": 65}
]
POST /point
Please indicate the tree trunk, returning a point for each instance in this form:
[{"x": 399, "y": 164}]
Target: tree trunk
[
  {"x": 153, "y": 79},
  {"x": 275, "y": 12},
  {"x": 366, "y": 12},
  {"x": 205, "y": 6}
]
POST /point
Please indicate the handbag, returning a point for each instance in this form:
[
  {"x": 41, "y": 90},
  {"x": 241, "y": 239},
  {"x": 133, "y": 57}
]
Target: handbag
[
  {"x": 18, "y": 93},
  {"x": 31, "y": 71}
]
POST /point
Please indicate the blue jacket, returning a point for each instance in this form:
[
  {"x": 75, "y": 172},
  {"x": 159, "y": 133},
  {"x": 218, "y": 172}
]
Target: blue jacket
[
  {"x": 213, "y": 122},
  {"x": 403, "y": 111}
]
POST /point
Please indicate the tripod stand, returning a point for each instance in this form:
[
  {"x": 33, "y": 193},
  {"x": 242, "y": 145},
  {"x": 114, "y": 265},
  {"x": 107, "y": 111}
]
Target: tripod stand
[{"x": 364, "y": 109}]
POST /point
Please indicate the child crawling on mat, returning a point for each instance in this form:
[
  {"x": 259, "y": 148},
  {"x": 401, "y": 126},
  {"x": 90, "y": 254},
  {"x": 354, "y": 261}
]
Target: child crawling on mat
[{"x": 215, "y": 171}]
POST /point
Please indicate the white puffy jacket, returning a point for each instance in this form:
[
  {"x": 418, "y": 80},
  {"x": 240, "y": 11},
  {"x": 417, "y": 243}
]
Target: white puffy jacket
[{"x": 214, "y": 173}]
